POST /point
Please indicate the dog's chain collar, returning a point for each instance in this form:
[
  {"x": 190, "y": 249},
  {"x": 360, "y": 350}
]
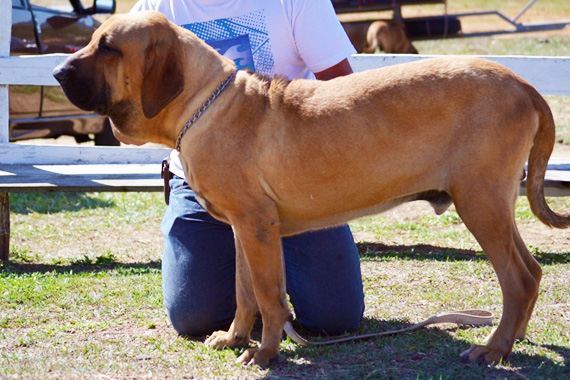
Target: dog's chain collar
[{"x": 202, "y": 109}]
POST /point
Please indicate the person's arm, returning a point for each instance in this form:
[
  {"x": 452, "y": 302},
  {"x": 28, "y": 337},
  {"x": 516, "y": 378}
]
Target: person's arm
[
  {"x": 340, "y": 69},
  {"x": 323, "y": 46}
]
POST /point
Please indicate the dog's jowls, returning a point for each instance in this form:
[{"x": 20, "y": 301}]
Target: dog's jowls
[{"x": 275, "y": 158}]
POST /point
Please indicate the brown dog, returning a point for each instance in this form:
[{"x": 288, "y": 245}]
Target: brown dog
[
  {"x": 387, "y": 35},
  {"x": 275, "y": 158}
]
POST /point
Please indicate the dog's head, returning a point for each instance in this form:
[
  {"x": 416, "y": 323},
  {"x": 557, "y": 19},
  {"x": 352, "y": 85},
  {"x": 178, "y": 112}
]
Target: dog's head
[
  {"x": 392, "y": 36},
  {"x": 130, "y": 71}
]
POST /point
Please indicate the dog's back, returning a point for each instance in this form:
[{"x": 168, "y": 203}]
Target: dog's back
[{"x": 427, "y": 120}]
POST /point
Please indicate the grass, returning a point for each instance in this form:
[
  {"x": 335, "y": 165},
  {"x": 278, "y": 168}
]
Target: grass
[
  {"x": 96, "y": 311},
  {"x": 49, "y": 226},
  {"x": 81, "y": 297}
]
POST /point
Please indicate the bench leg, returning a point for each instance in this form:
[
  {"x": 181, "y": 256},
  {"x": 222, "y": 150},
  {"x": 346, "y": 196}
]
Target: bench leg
[{"x": 4, "y": 226}]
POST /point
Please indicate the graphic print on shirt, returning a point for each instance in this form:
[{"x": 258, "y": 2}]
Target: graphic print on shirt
[{"x": 243, "y": 39}]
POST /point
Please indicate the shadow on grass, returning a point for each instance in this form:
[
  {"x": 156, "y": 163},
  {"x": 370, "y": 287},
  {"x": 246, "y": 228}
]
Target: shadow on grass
[
  {"x": 43, "y": 203},
  {"x": 428, "y": 353},
  {"x": 377, "y": 251},
  {"x": 77, "y": 267},
  {"x": 368, "y": 251}
]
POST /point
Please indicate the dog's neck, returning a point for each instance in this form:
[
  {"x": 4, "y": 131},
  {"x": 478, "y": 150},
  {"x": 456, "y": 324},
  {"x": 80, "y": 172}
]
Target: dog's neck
[
  {"x": 202, "y": 109},
  {"x": 200, "y": 82}
]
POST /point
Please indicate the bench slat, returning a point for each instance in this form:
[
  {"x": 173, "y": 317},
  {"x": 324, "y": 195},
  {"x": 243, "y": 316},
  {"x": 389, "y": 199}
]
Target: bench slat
[
  {"x": 80, "y": 178},
  {"x": 28, "y": 154},
  {"x": 146, "y": 177}
]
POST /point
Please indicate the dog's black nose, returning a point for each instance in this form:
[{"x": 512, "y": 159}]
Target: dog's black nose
[{"x": 60, "y": 73}]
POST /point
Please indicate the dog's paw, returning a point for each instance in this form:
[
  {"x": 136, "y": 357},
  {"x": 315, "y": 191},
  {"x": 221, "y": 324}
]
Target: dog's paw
[
  {"x": 258, "y": 357},
  {"x": 483, "y": 355},
  {"x": 222, "y": 339}
]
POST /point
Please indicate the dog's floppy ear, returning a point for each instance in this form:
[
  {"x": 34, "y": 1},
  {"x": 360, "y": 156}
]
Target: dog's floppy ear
[{"x": 163, "y": 80}]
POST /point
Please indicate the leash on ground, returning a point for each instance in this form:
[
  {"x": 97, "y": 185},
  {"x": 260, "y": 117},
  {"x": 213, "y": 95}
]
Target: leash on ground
[{"x": 463, "y": 317}]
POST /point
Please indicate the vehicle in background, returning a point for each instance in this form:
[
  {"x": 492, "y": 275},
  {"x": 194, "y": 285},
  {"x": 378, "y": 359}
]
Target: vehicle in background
[{"x": 54, "y": 26}]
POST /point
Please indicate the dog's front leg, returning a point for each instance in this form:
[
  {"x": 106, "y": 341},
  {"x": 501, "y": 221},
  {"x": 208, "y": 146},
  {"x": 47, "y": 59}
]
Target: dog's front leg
[
  {"x": 261, "y": 243},
  {"x": 246, "y": 311}
]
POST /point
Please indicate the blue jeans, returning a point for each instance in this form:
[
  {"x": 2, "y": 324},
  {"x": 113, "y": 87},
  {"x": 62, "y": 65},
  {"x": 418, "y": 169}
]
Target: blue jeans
[{"x": 198, "y": 272}]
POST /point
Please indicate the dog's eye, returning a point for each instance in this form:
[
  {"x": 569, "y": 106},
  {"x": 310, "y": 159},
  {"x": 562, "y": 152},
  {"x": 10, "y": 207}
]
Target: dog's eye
[{"x": 105, "y": 48}]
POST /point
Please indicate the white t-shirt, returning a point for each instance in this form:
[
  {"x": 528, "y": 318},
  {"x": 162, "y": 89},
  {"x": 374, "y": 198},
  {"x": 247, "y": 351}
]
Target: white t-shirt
[{"x": 292, "y": 38}]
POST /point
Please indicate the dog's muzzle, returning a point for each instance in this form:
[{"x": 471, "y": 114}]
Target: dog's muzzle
[
  {"x": 81, "y": 90},
  {"x": 60, "y": 73}
]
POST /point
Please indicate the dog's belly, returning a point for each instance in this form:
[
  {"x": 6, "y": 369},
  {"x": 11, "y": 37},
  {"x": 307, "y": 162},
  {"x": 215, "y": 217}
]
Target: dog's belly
[
  {"x": 301, "y": 220},
  {"x": 326, "y": 187},
  {"x": 338, "y": 202},
  {"x": 294, "y": 224}
]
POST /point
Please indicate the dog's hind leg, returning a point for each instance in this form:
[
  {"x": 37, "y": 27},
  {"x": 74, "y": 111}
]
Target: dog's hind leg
[
  {"x": 534, "y": 268},
  {"x": 488, "y": 212}
]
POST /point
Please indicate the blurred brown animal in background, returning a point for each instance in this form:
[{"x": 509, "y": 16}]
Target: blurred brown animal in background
[{"x": 387, "y": 35}]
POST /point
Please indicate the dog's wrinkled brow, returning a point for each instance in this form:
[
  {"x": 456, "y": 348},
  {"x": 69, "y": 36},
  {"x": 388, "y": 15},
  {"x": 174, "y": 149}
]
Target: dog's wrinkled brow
[{"x": 107, "y": 48}]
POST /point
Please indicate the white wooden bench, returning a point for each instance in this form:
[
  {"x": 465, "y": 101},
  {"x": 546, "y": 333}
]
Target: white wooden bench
[{"x": 48, "y": 168}]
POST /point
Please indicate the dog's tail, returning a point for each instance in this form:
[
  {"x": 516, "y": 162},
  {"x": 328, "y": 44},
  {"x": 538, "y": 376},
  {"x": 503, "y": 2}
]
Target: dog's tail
[{"x": 537, "y": 163}]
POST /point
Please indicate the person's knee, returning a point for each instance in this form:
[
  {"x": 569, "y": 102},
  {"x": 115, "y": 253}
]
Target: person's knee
[
  {"x": 197, "y": 322},
  {"x": 333, "y": 321}
]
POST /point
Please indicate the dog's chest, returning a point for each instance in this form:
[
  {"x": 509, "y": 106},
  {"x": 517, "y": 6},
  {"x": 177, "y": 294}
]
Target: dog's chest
[{"x": 209, "y": 206}]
